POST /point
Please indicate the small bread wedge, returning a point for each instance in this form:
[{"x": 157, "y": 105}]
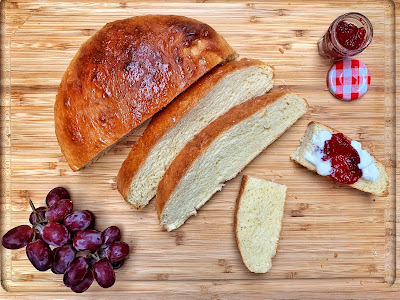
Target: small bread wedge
[
  {"x": 377, "y": 188},
  {"x": 258, "y": 221},
  {"x": 220, "y": 151}
]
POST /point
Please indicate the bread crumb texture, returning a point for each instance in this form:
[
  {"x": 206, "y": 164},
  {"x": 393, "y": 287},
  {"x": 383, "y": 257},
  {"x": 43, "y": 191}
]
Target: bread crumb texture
[
  {"x": 221, "y": 151},
  {"x": 234, "y": 88},
  {"x": 258, "y": 222}
]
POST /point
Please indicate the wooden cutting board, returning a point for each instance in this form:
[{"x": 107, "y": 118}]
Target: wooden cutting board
[{"x": 335, "y": 241}]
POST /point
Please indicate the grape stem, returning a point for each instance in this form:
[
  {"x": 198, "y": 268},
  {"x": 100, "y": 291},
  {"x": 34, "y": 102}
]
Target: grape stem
[
  {"x": 96, "y": 256},
  {"x": 86, "y": 254},
  {"x": 38, "y": 219}
]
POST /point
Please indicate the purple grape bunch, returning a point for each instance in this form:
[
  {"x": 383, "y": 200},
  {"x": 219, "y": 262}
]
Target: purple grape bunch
[{"x": 81, "y": 253}]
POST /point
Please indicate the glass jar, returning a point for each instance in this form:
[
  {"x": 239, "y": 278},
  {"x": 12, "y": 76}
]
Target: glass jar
[{"x": 347, "y": 36}]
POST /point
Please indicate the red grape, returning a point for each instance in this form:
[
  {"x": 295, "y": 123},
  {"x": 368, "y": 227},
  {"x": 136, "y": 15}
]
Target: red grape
[
  {"x": 56, "y": 234},
  {"x": 111, "y": 235},
  {"x": 40, "y": 255},
  {"x": 62, "y": 257},
  {"x": 54, "y": 225},
  {"x": 17, "y": 237},
  {"x": 104, "y": 273},
  {"x": 78, "y": 220},
  {"x": 56, "y": 195},
  {"x": 118, "y": 264},
  {"x": 41, "y": 211},
  {"x": 59, "y": 210},
  {"x": 76, "y": 271},
  {"x": 87, "y": 240},
  {"x": 117, "y": 251},
  {"x": 93, "y": 219},
  {"x": 85, "y": 283}
]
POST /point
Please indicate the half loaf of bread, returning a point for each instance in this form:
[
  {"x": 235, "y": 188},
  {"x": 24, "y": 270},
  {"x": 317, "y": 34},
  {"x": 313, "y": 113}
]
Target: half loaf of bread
[
  {"x": 258, "y": 221},
  {"x": 125, "y": 73},
  {"x": 220, "y": 151},
  {"x": 169, "y": 131},
  {"x": 378, "y": 188}
]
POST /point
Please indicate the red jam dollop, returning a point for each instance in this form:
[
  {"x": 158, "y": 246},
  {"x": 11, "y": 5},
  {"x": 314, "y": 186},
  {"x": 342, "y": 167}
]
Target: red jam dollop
[
  {"x": 344, "y": 159},
  {"x": 349, "y": 35}
]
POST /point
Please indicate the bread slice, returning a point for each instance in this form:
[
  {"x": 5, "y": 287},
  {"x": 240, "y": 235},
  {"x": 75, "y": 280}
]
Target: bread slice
[
  {"x": 378, "y": 188},
  {"x": 168, "y": 132},
  {"x": 258, "y": 221},
  {"x": 124, "y": 74},
  {"x": 220, "y": 151}
]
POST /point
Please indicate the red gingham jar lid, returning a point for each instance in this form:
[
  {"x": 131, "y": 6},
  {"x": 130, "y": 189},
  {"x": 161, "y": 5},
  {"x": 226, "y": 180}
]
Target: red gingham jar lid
[{"x": 348, "y": 79}]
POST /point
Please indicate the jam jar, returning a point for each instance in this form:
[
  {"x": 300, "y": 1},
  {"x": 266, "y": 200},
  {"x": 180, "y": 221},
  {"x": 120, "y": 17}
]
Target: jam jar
[{"x": 347, "y": 36}]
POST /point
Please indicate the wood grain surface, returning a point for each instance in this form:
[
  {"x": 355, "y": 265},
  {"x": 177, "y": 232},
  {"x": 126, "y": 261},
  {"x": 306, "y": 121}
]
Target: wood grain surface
[{"x": 336, "y": 242}]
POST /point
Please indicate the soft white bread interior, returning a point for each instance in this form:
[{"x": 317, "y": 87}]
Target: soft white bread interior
[
  {"x": 220, "y": 151},
  {"x": 378, "y": 188},
  {"x": 258, "y": 221},
  {"x": 169, "y": 131}
]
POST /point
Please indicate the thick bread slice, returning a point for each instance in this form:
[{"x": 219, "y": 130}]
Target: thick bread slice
[
  {"x": 378, "y": 188},
  {"x": 124, "y": 74},
  {"x": 168, "y": 132},
  {"x": 220, "y": 151},
  {"x": 258, "y": 221}
]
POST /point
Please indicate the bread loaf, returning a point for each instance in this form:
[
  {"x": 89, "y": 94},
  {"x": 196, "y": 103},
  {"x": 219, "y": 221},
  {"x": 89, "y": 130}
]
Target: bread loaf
[
  {"x": 220, "y": 151},
  {"x": 258, "y": 220},
  {"x": 124, "y": 74},
  {"x": 170, "y": 129},
  {"x": 378, "y": 188}
]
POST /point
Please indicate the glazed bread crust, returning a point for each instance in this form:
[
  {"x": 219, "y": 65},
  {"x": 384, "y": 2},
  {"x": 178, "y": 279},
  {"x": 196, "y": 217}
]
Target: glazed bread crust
[
  {"x": 171, "y": 115},
  {"x": 124, "y": 74}
]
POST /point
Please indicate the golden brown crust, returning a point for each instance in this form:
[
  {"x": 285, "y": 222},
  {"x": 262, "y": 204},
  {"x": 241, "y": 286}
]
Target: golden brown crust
[
  {"x": 124, "y": 74},
  {"x": 164, "y": 120},
  {"x": 194, "y": 149},
  {"x": 383, "y": 194}
]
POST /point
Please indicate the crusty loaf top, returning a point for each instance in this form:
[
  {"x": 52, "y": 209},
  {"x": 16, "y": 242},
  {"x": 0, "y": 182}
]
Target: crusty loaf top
[{"x": 125, "y": 73}]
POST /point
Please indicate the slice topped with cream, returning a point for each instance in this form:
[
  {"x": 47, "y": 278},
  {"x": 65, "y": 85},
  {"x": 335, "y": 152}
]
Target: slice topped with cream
[
  {"x": 330, "y": 153},
  {"x": 341, "y": 159}
]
